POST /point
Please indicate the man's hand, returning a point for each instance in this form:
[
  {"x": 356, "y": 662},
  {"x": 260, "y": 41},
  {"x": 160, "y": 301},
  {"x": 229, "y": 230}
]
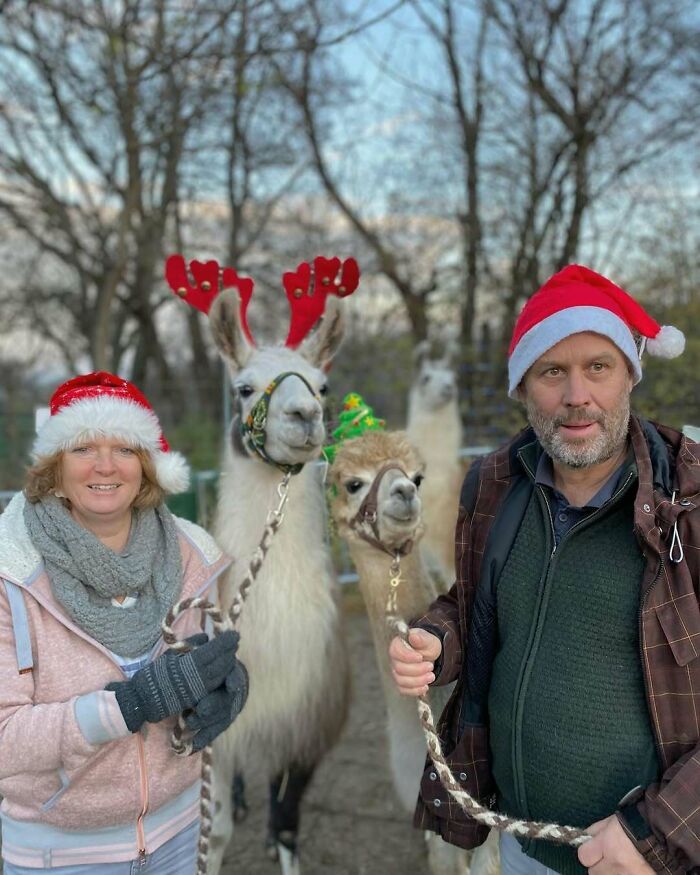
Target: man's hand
[
  {"x": 412, "y": 667},
  {"x": 611, "y": 851}
]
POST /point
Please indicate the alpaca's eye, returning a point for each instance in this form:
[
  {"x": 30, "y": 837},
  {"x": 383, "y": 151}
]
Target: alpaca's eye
[
  {"x": 323, "y": 390},
  {"x": 418, "y": 479},
  {"x": 425, "y": 379},
  {"x": 353, "y": 485},
  {"x": 245, "y": 391}
]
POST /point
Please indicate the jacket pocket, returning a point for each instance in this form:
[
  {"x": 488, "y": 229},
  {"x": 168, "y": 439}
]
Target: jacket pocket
[
  {"x": 64, "y": 781},
  {"x": 680, "y": 621},
  {"x": 470, "y": 765}
]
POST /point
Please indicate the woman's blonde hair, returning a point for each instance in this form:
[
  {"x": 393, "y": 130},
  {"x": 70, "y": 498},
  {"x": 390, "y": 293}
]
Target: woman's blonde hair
[{"x": 44, "y": 478}]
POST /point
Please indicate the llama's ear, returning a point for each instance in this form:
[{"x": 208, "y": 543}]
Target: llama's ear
[
  {"x": 320, "y": 347},
  {"x": 451, "y": 356},
  {"x": 225, "y": 322},
  {"x": 421, "y": 353}
]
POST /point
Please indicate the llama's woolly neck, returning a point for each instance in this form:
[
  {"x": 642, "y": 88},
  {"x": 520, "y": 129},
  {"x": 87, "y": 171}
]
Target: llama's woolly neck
[
  {"x": 248, "y": 491},
  {"x": 437, "y": 434},
  {"x": 289, "y": 625},
  {"x": 298, "y": 556},
  {"x": 415, "y": 592}
]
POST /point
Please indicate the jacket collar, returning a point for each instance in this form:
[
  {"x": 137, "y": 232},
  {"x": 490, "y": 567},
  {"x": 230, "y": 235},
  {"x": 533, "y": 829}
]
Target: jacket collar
[{"x": 20, "y": 561}]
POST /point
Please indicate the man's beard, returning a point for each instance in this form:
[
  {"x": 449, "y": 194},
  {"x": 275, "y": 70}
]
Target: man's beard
[{"x": 584, "y": 452}]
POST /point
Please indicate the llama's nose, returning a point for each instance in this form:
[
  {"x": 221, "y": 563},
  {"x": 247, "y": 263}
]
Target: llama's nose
[
  {"x": 304, "y": 410},
  {"x": 404, "y": 489}
]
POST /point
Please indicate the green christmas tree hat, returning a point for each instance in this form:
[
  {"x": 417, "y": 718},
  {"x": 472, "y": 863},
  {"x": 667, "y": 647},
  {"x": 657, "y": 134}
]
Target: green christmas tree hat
[{"x": 355, "y": 419}]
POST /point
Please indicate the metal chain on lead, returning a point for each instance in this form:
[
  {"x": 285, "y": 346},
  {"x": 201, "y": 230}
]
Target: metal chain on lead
[
  {"x": 552, "y": 832},
  {"x": 181, "y": 739}
]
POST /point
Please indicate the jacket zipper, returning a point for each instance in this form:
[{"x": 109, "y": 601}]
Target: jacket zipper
[
  {"x": 538, "y": 623},
  {"x": 140, "y": 833},
  {"x": 521, "y": 686}
]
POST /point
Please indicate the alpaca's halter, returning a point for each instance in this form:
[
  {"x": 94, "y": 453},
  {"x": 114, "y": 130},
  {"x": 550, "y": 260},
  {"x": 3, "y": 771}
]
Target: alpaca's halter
[
  {"x": 561, "y": 835},
  {"x": 181, "y": 739},
  {"x": 253, "y": 429},
  {"x": 366, "y": 517}
]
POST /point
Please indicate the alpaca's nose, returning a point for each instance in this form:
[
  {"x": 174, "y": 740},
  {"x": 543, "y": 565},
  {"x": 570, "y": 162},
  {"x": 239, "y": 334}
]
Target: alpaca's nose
[{"x": 404, "y": 489}]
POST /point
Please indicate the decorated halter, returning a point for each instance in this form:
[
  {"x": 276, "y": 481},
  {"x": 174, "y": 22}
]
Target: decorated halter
[
  {"x": 253, "y": 427},
  {"x": 307, "y": 289}
]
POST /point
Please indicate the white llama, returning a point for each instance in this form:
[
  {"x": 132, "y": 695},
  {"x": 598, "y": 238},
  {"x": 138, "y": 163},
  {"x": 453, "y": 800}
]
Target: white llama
[
  {"x": 291, "y": 638},
  {"x": 398, "y": 526},
  {"x": 435, "y": 429}
]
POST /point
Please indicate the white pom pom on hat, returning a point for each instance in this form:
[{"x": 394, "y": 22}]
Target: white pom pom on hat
[
  {"x": 669, "y": 343},
  {"x": 102, "y": 405},
  {"x": 578, "y": 299}
]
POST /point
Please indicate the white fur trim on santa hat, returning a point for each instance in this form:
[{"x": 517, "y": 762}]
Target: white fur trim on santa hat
[
  {"x": 562, "y": 324},
  {"x": 103, "y": 416},
  {"x": 112, "y": 417},
  {"x": 668, "y": 343}
]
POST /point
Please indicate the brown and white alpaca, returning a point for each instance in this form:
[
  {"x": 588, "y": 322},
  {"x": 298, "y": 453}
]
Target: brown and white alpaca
[
  {"x": 435, "y": 428},
  {"x": 291, "y": 637},
  {"x": 398, "y": 524}
]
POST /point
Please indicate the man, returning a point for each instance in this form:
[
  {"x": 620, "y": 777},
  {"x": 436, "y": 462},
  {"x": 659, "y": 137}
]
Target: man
[{"x": 573, "y": 629}]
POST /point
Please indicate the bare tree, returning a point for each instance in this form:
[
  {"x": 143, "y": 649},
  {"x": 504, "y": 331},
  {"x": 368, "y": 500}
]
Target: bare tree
[
  {"x": 601, "y": 87},
  {"x": 319, "y": 92},
  {"x": 99, "y": 101}
]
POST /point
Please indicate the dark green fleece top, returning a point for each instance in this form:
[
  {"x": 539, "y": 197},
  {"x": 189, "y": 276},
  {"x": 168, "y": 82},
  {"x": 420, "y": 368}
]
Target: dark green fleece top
[{"x": 569, "y": 727}]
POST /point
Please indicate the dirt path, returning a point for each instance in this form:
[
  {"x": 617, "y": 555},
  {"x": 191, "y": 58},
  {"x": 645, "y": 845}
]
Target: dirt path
[{"x": 351, "y": 821}]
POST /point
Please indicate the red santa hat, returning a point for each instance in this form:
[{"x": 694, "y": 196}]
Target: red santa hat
[
  {"x": 102, "y": 405},
  {"x": 578, "y": 299}
]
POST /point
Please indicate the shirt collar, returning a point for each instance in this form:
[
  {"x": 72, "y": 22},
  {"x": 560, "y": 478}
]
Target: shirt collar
[{"x": 544, "y": 476}]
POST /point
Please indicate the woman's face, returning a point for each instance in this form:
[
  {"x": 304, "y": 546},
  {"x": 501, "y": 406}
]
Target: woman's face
[{"x": 101, "y": 479}]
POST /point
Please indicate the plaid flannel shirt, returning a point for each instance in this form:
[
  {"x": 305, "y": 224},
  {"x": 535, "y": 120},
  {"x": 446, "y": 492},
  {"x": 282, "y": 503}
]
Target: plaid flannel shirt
[{"x": 664, "y": 818}]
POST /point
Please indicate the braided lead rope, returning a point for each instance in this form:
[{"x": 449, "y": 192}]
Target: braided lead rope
[
  {"x": 181, "y": 739},
  {"x": 552, "y": 832}
]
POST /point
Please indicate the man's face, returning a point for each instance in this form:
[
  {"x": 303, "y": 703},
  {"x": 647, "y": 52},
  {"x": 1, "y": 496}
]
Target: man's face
[{"x": 577, "y": 400}]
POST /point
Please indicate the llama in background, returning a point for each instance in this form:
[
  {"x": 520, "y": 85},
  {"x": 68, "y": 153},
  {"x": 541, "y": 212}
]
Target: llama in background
[{"x": 435, "y": 429}]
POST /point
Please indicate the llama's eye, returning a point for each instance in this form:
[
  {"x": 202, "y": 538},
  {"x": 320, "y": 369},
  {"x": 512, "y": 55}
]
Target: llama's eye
[
  {"x": 352, "y": 486},
  {"x": 323, "y": 390},
  {"x": 418, "y": 479},
  {"x": 245, "y": 391},
  {"x": 424, "y": 380}
]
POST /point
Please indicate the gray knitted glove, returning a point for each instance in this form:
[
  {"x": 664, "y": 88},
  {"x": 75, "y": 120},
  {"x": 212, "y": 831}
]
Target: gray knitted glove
[
  {"x": 217, "y": 711},
  {"x": 176, "y": 681}
]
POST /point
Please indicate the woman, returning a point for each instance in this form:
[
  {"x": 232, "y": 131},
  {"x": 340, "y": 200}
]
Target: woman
[{"x": 91, "y": 561}]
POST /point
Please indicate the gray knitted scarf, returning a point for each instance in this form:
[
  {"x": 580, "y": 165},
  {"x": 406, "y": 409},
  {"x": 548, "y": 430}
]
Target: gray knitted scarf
[{"x": 85, "y": 574}]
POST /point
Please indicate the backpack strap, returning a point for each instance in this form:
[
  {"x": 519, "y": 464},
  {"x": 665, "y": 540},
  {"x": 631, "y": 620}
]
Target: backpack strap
[
  {"x": 20, "y": 626},
  {"x": 470, "y": 486}
]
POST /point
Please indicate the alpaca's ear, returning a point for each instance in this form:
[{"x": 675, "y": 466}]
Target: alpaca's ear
[
  {"x": 225, "y": 322},
  {"x": 421, "y": 354},
  {"x": 320, "y": 347}
]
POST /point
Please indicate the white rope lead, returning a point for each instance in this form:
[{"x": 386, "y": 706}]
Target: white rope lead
[{"x": 551, "y": 832}]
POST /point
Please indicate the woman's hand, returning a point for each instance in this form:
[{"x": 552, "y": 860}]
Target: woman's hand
[
  {"x": 413, "y": 666},
  {"x": 217, "y": 711},
  {"x": 174, "y": 681}
]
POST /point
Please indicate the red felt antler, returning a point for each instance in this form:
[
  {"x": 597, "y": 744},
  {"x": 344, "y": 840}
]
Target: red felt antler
[
  {"x": 307, "y": 289},
  {"x": 209, "y": 279}
]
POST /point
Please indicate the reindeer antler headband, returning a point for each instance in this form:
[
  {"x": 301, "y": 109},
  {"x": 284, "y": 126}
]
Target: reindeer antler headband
[{"x": 307, "y": 289}]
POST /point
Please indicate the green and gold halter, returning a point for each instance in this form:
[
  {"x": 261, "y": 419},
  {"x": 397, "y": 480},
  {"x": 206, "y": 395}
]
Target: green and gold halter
[{"x": 253, "y": 428}]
